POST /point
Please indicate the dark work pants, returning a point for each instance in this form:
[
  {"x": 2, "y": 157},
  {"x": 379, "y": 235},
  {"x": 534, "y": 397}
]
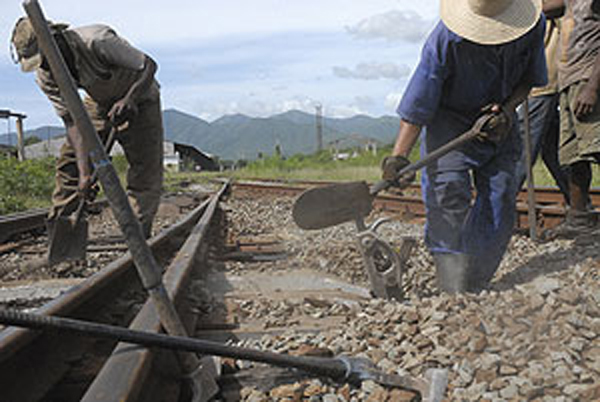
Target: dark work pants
[
  {"x": 142, "y": 143},
  {"x": 458, "y": 223},
  {"x": 544, "y": 125}
]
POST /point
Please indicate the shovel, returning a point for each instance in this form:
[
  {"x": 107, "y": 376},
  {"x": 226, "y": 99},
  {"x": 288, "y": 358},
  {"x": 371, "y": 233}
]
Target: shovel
[
  {"x": 342, "y": 368},
  {"x": 323, "y": 207},
  {"x": 67, "y": 235}
]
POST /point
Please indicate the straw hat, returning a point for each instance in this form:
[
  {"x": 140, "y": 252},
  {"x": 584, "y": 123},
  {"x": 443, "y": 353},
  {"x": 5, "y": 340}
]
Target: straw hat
[
  {"x": 490, "y": 22},
  {"x": 25, "y": 43}
]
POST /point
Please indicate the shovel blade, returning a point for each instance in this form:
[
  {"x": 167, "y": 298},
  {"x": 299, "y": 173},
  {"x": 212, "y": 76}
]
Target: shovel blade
[
  {"x": 323, "y": 207},
  {"x": 67, "y": 240}
]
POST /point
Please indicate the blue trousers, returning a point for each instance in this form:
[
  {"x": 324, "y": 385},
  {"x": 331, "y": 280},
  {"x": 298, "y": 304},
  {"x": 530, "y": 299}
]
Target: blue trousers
[
  {"x": 458, "y": 221},
  {"x": 544, "y": 123}
]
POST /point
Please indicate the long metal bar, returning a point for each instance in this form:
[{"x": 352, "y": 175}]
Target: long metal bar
[
  {"x": 148, "y": 269},
  {"x": 123, "y": 374},
  {"x": 342, "y": 368},
  {"x": 531, "y": 212},
  {"x": 324, "y": 366}
]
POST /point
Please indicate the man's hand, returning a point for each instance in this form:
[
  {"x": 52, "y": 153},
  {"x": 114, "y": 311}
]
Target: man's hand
[
  {"x": 499, "y": 125},
  {"x": 123, "y": 110},
  {"x": 391, "y": 166},
  {"x": 586, "y": 101}
]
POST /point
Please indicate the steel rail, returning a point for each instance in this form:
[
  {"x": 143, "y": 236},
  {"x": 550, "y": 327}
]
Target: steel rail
[
  {"x": 124, "y": 375},
  {"x": 27, "y": 221},
  {"x": 544, "y": 194},
  {"x": 19, "y": 347},
  {"x": 549, "y": 201}
]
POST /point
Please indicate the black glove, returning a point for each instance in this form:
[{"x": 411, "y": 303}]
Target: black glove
[
  {"x": 499, "y": 125},
  {"x": 391, "y": 166}
]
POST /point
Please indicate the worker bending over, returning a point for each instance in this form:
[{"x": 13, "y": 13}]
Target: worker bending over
[{"x": 121, "y": 91}]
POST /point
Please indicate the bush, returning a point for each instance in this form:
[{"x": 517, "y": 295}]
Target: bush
[{"x": 25, "y": 185}]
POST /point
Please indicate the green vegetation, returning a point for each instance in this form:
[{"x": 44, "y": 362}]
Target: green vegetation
[
  {"x": 29, "y": 184},
  {"x": 363, "y": 166},
  {"x": 360, "y": 165},
  {"x": 25, "y": 185}
]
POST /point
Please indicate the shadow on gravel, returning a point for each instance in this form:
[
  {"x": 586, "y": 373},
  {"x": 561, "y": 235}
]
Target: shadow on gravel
[{"x": 559, "y": 260}]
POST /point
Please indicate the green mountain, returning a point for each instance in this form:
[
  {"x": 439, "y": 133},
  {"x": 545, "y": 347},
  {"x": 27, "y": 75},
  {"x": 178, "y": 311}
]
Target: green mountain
[{"x": 242, "y": 137}]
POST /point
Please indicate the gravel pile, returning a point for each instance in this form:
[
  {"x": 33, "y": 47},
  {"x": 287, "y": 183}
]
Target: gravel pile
[{"x": 533, "y": 336}]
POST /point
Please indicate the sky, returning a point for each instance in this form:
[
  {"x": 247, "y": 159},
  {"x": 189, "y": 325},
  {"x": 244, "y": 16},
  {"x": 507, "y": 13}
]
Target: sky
[{"x": 258, "y": 58}]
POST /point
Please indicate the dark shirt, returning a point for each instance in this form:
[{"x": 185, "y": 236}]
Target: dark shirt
[
  {"x": 459, "y": 77},
  {"x": 580, "y": 41}
]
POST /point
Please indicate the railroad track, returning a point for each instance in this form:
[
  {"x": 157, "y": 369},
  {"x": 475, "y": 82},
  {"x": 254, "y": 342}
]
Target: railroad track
[
  {"x": 232, "y": 280},
  {"x": 550, "y": 208},
  {"x": 49, "y": 367}
]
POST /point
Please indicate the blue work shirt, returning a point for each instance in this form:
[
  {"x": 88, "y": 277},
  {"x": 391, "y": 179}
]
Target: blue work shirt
[{"x": 458, "y": 76}]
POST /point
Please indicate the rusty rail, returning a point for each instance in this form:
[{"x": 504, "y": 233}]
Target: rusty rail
[
  {"x": 19, "y": 347},
  {"x": 549, "y": 201},
  {"x": 124, "y": 374}
]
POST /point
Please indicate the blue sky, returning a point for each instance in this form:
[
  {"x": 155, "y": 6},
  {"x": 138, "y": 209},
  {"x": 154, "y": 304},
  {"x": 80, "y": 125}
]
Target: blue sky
[{"x": 258, "y": 57}]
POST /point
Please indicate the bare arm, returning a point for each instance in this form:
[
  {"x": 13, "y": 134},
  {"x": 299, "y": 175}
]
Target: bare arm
[
  {"x": 588, "y": 97},
  {"x": 83, "y": 163},
  {"x": 407, "y": 137},
  {"x": 553, "y": 8}
]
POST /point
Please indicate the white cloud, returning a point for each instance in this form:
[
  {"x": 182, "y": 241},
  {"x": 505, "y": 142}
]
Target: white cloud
[
  {"x": 341, "y": 111},
  {"x": 392, "y": 100},
  {"x": 393, "y": 25},
  {"x": 373, "y": 71},
  {"x": 259, "y": 58},
  {"x": 255, "y": 107}
]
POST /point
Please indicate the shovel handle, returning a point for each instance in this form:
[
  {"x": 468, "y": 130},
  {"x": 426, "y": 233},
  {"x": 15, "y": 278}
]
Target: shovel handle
[{"x": 468, "y": 135}]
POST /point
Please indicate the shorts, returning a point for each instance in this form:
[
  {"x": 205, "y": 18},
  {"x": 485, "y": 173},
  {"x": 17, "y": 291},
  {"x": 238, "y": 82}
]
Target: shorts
[{"x": 579, "y": 138}]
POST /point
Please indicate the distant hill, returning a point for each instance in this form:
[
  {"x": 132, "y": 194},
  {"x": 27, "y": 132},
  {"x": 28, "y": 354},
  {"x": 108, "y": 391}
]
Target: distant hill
[
  {"x": 43, "y": 133},
  {"x": 242, "y": 137}
]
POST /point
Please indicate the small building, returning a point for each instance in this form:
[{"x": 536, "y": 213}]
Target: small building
[
  {"x": 45, "y": 148},
  {"x": 194, "y": 160},
  {"x": 171, "y": 162},
  {"x": 177, "y": 157}
]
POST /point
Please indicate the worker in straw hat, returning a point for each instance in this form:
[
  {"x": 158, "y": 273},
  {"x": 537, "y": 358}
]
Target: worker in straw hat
[
  {"x": 121, "y": 91},
  {"x": 481, "y": 54}
]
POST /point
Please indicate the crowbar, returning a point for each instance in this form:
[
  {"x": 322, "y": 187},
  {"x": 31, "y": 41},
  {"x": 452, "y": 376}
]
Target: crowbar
[{"x": 342, "y": 368}]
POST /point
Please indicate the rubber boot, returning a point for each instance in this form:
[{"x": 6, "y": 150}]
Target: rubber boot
[
  {"x": 452, "y": 272},
  {"x": 576, "y": 223}
]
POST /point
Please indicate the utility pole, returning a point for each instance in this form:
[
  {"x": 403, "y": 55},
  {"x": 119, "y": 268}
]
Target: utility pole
[
  {"x": 7, "y": 114},
  {"x": 319, "y": 115}
]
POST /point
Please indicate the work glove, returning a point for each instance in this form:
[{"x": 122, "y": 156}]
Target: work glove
[
  {"x": 498, "y": 127},
  {"x": 391, "y": 166}
]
